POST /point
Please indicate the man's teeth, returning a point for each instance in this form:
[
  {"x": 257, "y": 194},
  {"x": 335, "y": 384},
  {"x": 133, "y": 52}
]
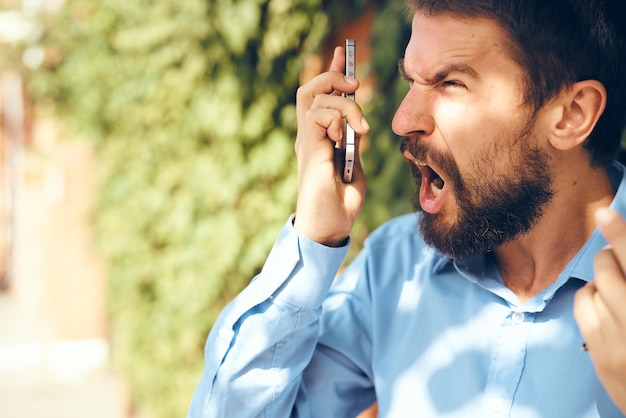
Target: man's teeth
[{"x": 436, "y": 186}]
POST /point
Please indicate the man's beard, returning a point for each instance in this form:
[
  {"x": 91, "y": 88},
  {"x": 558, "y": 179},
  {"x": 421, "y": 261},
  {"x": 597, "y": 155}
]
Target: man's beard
[{"x": 493, "y": 208}]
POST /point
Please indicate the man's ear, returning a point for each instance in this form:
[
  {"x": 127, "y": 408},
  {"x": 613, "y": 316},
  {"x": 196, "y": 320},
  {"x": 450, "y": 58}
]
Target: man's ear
[{"x": 579, "y": 109}]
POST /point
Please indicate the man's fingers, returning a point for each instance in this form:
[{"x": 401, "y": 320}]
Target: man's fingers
[
  {"x": 330, "y": 120},
  {"x": 595, "y": 320},
  {"x": 346, "y": 108},
  {"x": 610, "y": 283},
  {"x": 339, "y": 60},
  {"x": 613, "y": 227},
  {"x": 330, "y": 83},
  {"x": 587, "y": 317},
  {"x": 333, "y": 82},
  {"x": 585, "y": 312}
]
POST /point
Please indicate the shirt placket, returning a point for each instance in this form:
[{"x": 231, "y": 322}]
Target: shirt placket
[{"x": 507, "y": 363}]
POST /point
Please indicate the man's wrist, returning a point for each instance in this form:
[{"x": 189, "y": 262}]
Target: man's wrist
[{"x": 333, "y": 241}]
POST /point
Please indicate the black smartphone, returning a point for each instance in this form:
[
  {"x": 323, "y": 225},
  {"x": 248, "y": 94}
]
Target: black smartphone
[{"x": 348, "y": 143}]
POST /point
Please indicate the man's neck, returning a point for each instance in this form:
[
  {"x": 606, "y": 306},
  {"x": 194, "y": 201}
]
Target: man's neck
[{"x": 533, "y": 261}]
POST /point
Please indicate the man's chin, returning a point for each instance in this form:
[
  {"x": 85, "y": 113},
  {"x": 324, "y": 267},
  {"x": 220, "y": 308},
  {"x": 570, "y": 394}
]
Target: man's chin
[{"x": 453, "y": 241}]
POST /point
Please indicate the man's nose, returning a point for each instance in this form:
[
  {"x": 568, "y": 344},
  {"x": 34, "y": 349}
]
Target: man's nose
[{"x": 414, "y": 115}]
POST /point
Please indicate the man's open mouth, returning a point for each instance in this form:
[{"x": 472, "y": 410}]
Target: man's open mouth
[
  {"x": 431, "y": 177},
  {"x": 433, "y": 191}
]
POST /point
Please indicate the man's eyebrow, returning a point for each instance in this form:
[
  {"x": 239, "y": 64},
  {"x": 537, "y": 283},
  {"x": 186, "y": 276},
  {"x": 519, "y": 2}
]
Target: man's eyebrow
[{"x": 441, "y": 75}]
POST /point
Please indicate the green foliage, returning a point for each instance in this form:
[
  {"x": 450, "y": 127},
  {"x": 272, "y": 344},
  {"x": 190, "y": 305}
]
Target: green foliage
[
  {"x": 190, "y": 104},
  {"x": 389, "y": 184}
]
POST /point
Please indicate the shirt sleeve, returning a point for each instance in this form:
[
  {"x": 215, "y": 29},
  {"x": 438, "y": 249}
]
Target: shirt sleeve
[
  {"x": 339, "y": 380},
  {"x": 263, "y": 340}
]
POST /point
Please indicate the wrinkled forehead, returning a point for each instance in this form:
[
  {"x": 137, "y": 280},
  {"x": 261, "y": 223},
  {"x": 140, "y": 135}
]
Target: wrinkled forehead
[
  {"x": 452, "y": 34},
  {"x": 447, "y": 35}
]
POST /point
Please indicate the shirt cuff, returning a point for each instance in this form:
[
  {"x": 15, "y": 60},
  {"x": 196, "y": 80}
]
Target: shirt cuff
[
  {"x": 298, "y": 271},
  {"x": 313, "y": 273}
]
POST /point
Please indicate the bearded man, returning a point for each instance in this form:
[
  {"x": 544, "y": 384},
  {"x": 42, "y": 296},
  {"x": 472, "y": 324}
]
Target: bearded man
[{"x": 511, "y": 123}]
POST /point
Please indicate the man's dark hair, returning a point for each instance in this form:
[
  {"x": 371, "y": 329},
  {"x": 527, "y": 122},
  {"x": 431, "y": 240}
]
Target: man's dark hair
[{"x": 558, "y": 43}]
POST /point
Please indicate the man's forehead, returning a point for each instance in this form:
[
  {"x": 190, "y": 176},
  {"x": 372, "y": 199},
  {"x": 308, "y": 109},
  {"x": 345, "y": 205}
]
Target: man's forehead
[{"x": 444, "y": 39}]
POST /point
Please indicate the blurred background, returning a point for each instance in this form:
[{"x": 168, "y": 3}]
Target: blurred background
[{"x": 146, "y": 167}]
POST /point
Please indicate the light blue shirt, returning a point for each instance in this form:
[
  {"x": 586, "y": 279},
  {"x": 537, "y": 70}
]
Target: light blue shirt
[{"x": 423, "y": 335}]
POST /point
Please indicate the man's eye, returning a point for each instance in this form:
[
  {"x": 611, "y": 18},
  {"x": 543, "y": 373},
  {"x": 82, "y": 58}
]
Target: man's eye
[{"x": 454, "y": 84}]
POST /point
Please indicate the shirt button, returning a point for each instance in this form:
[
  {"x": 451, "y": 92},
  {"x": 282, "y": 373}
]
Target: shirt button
[
  {"x": 518, "y": 317},
  {"x": 496, "y": 404}
]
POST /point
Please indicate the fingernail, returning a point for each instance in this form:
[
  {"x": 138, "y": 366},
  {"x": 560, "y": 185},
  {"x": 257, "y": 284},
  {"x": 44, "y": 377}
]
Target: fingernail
[
  {"x": 603, "y": 217},
  {"x": 364, "y": 124},
  {"x": 351, "y": 80}
]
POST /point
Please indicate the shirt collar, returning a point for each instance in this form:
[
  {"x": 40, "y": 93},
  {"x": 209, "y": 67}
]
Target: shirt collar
[{"x": 580, "y": 267}]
